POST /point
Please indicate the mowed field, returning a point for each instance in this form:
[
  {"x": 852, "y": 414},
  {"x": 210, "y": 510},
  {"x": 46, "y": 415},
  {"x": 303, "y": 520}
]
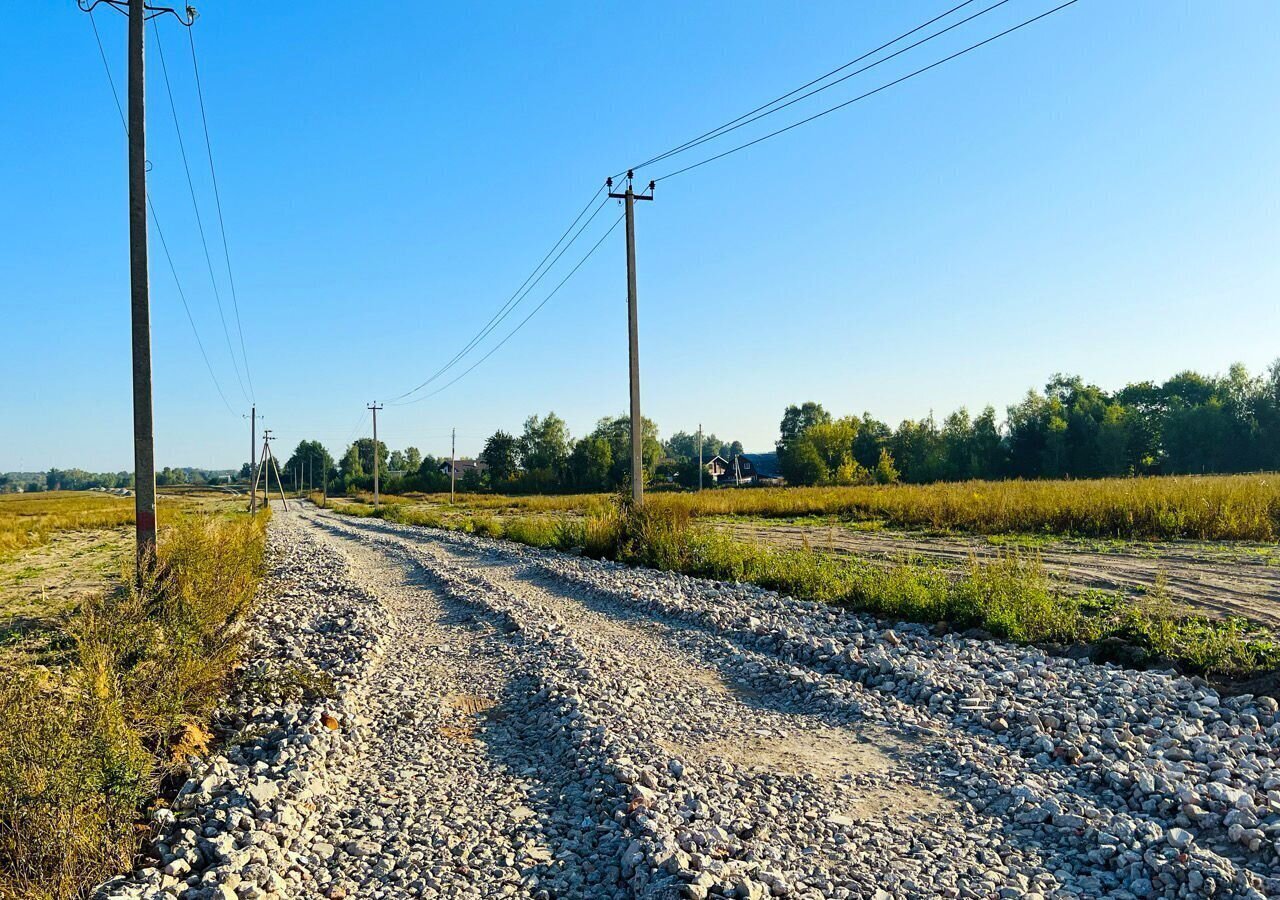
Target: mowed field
[{"x": 59, "y": 547}]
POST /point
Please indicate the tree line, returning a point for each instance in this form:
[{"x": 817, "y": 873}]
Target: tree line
[
  {"x": 542, "y": 458},
  {"x": 1189, "y": 424}
]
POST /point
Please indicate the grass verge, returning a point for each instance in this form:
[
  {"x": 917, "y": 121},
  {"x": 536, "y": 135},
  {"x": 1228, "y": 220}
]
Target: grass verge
[
  {"x": 1012, "y": 597},
  {"x": 84, "y": 747}
]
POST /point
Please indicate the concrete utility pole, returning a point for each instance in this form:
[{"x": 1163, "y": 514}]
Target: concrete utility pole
[
  {"x": 633, "y": 346},
  {"x": 375, "y": 407},
  {"x": 144, "y": 450},
  {"x": 453, "y": 461},
  {"x": 253, "y": 458}
]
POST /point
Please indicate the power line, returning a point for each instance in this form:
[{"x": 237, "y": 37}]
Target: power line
[
  {"x": 716, "y": 132},
  {"x": 750, "y": 118},
  {"x": 217, "y": 198},
  {"x": 525, "y": 320},
  {"x": 182, "y": 295},
  {"x": 512, "y": 302},
  {"x": 870, "y": 93},
  {"x": 155, "y": 220},
  {"x": 182, "y": 149}
]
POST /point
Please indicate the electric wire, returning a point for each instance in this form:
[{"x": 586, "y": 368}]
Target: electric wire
[
  {"x": 155, "y": 221},
  {"x": 518, "y": 297},
  {"x": 744, "y": 121},
  {"x": 217, "y": 199},
  {"x": 870, "y": 93},
  {"x": 195, "y": 206},
  {"x": 526, "y": 319},
  {"x": 715, "y": 132}
]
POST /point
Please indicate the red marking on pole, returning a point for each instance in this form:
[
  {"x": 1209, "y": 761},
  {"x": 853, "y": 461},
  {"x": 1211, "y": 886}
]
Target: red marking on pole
[{"x": 146, "y": 521}]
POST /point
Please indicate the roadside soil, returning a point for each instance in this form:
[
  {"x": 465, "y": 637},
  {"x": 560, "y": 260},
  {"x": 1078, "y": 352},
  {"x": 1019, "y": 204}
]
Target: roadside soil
[
  {"x": 40, "y": 584},
  {"x": 1215, "y": 579}
]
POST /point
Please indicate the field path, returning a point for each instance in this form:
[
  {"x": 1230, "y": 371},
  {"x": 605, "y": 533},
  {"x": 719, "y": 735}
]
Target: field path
[{"x": 1215, "y": 579}]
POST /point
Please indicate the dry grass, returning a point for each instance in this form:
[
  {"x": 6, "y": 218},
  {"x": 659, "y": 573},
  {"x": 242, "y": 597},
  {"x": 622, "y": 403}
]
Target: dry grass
[
  {"x": 1210, "y": 507},
  {"x": 1222, "y": 507},
  {"x": 27, "y": 520},
  {"x": 84, "y": 746}
]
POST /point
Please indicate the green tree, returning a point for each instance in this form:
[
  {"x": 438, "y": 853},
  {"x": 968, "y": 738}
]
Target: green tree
[
  {"x": 500, "y": 455},
  {"x": 412, "y": 459},
  {"x": 591, "y": 463},
  {"x": 310, "y": 460},
  {"x": 544, "y": 449}
]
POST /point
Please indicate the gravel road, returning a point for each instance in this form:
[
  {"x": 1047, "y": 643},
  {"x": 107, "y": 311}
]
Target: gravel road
[{"x": 504, "y": 721}]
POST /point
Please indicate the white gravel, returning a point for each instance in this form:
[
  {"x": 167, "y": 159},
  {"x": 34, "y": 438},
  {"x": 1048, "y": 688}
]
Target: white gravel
[{"x": 504, "y": 721}]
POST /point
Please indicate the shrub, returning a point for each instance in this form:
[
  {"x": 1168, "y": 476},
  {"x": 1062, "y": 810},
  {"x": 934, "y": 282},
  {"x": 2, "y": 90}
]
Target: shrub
[{"x": 84, "y": 747}]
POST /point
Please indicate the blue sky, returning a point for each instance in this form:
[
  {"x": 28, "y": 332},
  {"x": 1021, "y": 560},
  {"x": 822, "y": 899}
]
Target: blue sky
[{"x": 1096, "y": 194}]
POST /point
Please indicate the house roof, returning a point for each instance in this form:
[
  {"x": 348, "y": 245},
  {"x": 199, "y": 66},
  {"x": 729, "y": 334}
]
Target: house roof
[{"x": 766, "y": 463}]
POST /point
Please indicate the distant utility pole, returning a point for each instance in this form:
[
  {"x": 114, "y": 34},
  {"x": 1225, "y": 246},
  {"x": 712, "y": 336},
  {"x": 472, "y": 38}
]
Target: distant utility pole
[
  {"x": 253, "y": 458},
  {"x": 266, "y": 473},
  {"x": 699, "y": 456},
  {"x": 633, "y": 336},
  {"x": 453, "y": 461},
  {"x": 375, "y": 407}
]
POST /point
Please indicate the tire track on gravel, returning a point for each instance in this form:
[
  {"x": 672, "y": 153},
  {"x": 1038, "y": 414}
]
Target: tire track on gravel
[{"x": 773, "y": 785}]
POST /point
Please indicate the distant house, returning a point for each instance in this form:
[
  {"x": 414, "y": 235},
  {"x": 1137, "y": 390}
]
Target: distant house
[
  {"x": 716, "y": 466},
  {"x": 738, "y": 470},
  {"x": 767, "y": 470},
  {"x": 461, "y": 467}
]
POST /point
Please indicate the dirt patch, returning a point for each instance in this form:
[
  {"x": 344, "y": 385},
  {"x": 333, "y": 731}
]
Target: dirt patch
[
  {"x": 1215, "y": 579},
  {"x": 865, "y": 760}
]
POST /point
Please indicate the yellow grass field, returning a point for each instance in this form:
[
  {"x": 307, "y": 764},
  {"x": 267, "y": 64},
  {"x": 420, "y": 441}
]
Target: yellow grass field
[{"x": 1212, "y": 507}]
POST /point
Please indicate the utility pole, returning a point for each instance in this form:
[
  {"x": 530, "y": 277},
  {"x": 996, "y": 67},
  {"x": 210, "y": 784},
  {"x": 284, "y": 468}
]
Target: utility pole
[
  {"x": 375, "y": 407},
  {"x": 253, "y": 458},
  {"x": 144, "y": 458},
  {"x": 324, "y": 481},
  {"x": 699, "y": 456},
  {"x": 266, "y": 481},
  {"x": 453, "y": 461},
  {"x": 144, "y": 449},
  {"x": 633, "y": 340}
]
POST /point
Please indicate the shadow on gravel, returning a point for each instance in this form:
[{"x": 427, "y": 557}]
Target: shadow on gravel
[{"x": 561, "y": 851}]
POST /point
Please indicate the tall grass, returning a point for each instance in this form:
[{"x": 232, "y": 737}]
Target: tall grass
[
  {"x": 1011, "y": 597},
  {"x": 1220, "y": 507},
  {"x": 83, "y": 748},
  {"x": 1212, "y": 507}
]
